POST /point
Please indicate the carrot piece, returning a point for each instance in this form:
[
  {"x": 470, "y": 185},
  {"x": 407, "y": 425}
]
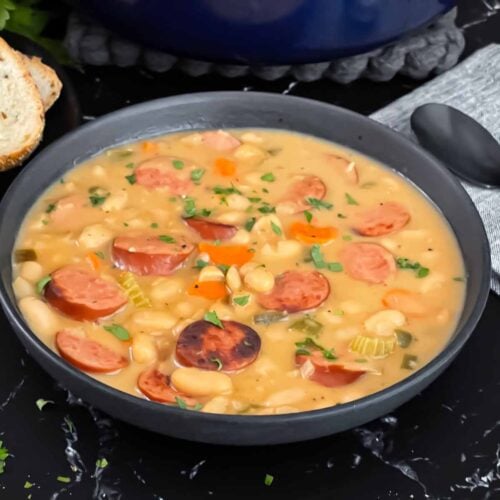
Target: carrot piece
[
  {"x": 94, "y": 261},
  {"x": 149, "y": 147},
  {"x": 225, "y": 167},
  {"x": 312, "y": 234},
  {"x": 409, "y": 303},
  {"x": 230, "y": 255},
  {"x": 212, "y": 290}
]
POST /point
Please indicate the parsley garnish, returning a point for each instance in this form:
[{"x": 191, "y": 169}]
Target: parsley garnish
[
  {"x": 28, "y": 485},
  {"x": 131, "y": 179},
  {"x": 118, "y": 331},
  {"x": 250, "y": 223},
  {"x": 40, "y": 403},
  {"x": 266, "y": 209},
  {"x": 350, "y": 199},
  {"x": 304, "y": 347},
  {"x": 200, "y": 264},
  {"x": 269, "y": 177},
  {"x": 166, "y": 239},
  {"x": 130, "y": 165},
  {"x": 101, "y": 463},
  {"x": 50, "y": 208},
  {"x": 420, "y": 271},
  {"x": 178, "y": 164},
  {"x": 211, "y": 317},
  {"x": 319, "y": 204},
  {"x": 226, "y": 190},
  {"x": 197, "y": 174},
  {"x": 242, "y": 300},
  {"x": 254, "y": 199},
  {"x": 154, "y": 225},
  {"x": 41, "y": 284},
  {"x": 181, "y": 403},
  {"x": 276, "y": 229},
  {"x": 4, "y": 454},
  {"x": 189, "y": 207},
  {"x": 319, "y": 262},
  {"x": 308, "y": 215},
  {"x": 100, "y": 255},
  {"x": 97, "y": 196}
]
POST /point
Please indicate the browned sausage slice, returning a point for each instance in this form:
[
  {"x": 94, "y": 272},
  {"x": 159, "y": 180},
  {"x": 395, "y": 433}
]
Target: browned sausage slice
[
  {"x": 206, "y": 346},
  {"x": 209, "y": 230},
  {"x": 295, "y": 200},
  {"x": 156, "y": 386},
  {"x": 296, "y": 291},
  {"x": 383, "y": 219},
  {"x": 368, "y": 262},
  {"x": 73, "y": 212},
  {"x": 82, "y": 294},
  {"x": 88, "y": 354},
  {"x": 146, "y": 254},
  {"x": 159, "y": 172}
]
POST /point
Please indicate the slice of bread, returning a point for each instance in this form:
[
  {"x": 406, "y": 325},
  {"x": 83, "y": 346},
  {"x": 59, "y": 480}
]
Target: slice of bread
[
  {"x": 46, "y": 80},
  {"x": 21, "y": 109}
]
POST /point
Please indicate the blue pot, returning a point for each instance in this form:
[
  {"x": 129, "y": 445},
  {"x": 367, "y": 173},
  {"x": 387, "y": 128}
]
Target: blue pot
[{"x": 264, "y": 31}]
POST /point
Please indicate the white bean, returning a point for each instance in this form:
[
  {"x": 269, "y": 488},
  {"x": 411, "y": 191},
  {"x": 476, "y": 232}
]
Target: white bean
[
  {"x": 211, "y": 273},
  {"x": 154, "y": 320},
  {"x": 31, "y": 271},
  {"x": 351, "y": 307},
  {"x": 285, "y": 249},
  {"x": 285, "y": 397},
  {"x": 267, "y": 225},
  {"x": 233, "y": 279},
  {"x": 184, "y": 309},
  {"x": 22, "y": 288},
  {"x": 38, "y": 315},
  {"x": 144, "y": 348},
  {"x": 385, "y": 322},
  {"x": 252, "y": 137},
  {"x": 249, "y": 266},
  {"x": 232, "y": 217},
  {"x": 250, "y": 153},
  {"x": 242, "y": 237},
  {"x": 164, "y": 289},
  {"x": 192, "y": 140},
  {"x": 115, "y": 202},
  {"x": 98, "y": 171},
  {"x": 219, "y": 404},
  {"x": 196, "y": 382},
  {"x": 95, "y": 236},
  {"x": 237, "y": 202},
  {"x": 259, "y": 280}
]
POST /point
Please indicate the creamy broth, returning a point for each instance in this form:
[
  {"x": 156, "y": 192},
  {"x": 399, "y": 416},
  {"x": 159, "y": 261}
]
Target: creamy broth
[{"x": 288, "y": 203}]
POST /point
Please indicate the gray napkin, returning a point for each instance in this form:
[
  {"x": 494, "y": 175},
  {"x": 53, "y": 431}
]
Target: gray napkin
[{"x": 474, "y": 88}]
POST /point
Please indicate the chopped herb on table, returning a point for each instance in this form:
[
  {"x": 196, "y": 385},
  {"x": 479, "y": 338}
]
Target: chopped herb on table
[
  {"x": 41, "y": 403},
  {"x": 268, "y": 480},
  {"x": 118, "y": 331},
  {"x": 64, "y": 479},
  {"x": 189, "y": 207},
  {"x": 460, "y": 279},
  {"x": 4, "y": 454},
  {"x": 101, "y": 463},
  {"x": 319, "y": 262},
  {"x": 28, "y": 485},
  {"x": 211, "y": 317},
  {"x": 420, "y": 271}
]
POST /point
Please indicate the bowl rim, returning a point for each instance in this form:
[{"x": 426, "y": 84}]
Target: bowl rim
[{"x": 439, "y": 362}]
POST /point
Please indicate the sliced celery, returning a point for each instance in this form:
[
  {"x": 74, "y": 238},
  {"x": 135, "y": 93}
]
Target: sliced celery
[
  {"x": 372, "y": 347},
  {"x": 133, "y": 290}
]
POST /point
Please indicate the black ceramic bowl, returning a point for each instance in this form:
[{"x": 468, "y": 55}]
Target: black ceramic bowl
[{"x": 233, "y": 110}]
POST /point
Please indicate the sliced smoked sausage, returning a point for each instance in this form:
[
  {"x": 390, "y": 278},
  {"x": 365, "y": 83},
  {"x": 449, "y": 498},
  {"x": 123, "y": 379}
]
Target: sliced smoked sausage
[
  {"x": 160, "y": 172},
  {"x": 87, "y": 354},
  {"x": 156, "y": 386},
  {"x": 82, "y": 294},
  {"x": 296, "y": 291},
  {"x": 295, "y": 199},
  {"x": 383, "y": 219},
  {"x": 367, "y": 262},
  {"x": 209, "y": 230},
  {"x": 146, "y": 254},
  {"x": 206, "y": 346}
]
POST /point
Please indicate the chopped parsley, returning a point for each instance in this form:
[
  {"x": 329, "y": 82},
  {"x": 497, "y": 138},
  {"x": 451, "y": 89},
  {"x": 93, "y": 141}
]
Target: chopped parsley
[
  {"x": 254, "y": 199},
  {"x": 250, "y": 223},
  {"x": 459, "y": 278},
  {"x": 101, "y": 463},
  {"x": 347, "y": 237},
  {"x": 197, "y": 174},
  {"x": 266, "y": 209},
  {"x": 217, "y": 362},
  {"x": 100, "y": 255},
  {"x": 153, "y": 225},
  {"x": 64, "y": 479},
  {"x": 226, "y": 190},
  {"x": 205, "y": 212},
  {"x": 276, "y": 229},
  {"x": 181, "y": 403},
  {"x": 242, "y": 300},
  {"x": 200, "y": 264},
  {"x": 268, "y": 480},
  {"x": 97, "y": 196},
  {"x": 269, "y": 177},
  {"x": 131, "y": 179},
  {"x": 341, "y": 216},
  {"x": 50, "y": 208},
  {"x": 223, "y": 267},
  {"x": 118, "y": 331},
  {"x": 309, "y": 344},
  {"x": 308, "y": 215},
  {"x": 4, "y": 454},
  {"x": 350, "y": 200},
  {"x": 189, "y": 207},
  {"x": 319, "y": 204},
  {"x": 420, "y": 271},
  {"x": 166, "y": 239},
  {"x": 28, "y": 485},
  {"x": 211, "y": 317},
  {"x": 41, "y": 403},
  {"x": 319, "y": 262},
  {"x": 130, "y": 165},
  {"x": 42, "y": 283},
  {"x": 178, "y": 164}
]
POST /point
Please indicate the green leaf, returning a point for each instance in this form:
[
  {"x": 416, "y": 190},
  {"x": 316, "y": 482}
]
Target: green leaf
[
  {"x": 50, "y": 208},
  {"x": 118, "y": 331},
  {"x": 197, "y": 406},
  {"x": 64, "y": 479},
  {"x": 276, "y": 229},
  {"x": 41, "y": 403},
  {"x": 4, "y": 454},
  {"x": 153, "y": 225},
  {"x": 347, "y": 237},
  {"x": 200, "y": 264},
  {"x": 97, "y": 196},
  {"x": 254, "y": 199},
  {"x": 250, "y": 223},
  {"x": 242, "y": 300},
  {"x": 226, "y": 190},
  {"x": 211, "y": 317},
  {"x": 178, "y": 164},
  {"x": 423, "y": 272},
  {"x": 130, "y": 165},
  {"x": 189, "y": 207},
  {"x": 197, "y": 174},
  {"x": 101, "y": 463},
  {"x": 420, "y": 271},
  {"x": 205, "y": 212},
  {"x": 266, "y": 209},
  {"x": 25, "y": 19},
  {"x": 269, "y": 177},
  {"x": 131, "y": 179},
  {"x": 310, "y": 344},
  {"x": 42, "y": 283},
  {"x": 319, "y": 204},
  {"x": 28, "y": 485},
  {"x": 181, "y": 403},
  {"x": 350, "y": 200},
  {"x": 308, "y": 215},
  {"x": 268, "y": 480},
  {"x": 166, "y": 239},
  {"x": 100, "y": 255}
]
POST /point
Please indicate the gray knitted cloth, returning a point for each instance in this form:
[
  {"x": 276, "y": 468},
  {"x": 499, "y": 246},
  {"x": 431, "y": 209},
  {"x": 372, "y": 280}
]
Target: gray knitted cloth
[
  {"x": 432, "y": 51},
  {"x": 474, "y": 88}
]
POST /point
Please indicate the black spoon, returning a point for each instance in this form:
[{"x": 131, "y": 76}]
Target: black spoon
[{"x": 460, "y": 142}]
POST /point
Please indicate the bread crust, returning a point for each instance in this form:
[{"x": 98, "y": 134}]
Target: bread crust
[{"x": 37, "y": 67}]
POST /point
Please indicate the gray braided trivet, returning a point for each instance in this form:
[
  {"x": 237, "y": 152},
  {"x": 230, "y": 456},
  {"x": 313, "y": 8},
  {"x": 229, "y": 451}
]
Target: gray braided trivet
[{"x": 433, "y": 50}]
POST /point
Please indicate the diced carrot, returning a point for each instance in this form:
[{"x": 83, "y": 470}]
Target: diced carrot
[
  {"x": 312, "y": 234},
  {"x": 409, "y": 303},
  {"x": 230, "y": 255},
  {"x": 94, "y": 261},
  {"x": 225, "y": 167},
  {"x": 149, "y": 147},
  {"x": 212, "y": 290}
]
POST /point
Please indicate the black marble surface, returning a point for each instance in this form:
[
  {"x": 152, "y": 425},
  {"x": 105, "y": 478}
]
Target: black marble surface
[{"x": 444, "y": 444}]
